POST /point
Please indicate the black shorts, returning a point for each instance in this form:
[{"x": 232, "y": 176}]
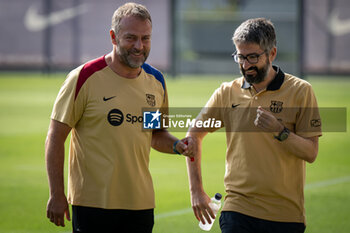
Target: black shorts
[
  {"x": 96, "y": 220},
  {"x": 234, "y": 222}
]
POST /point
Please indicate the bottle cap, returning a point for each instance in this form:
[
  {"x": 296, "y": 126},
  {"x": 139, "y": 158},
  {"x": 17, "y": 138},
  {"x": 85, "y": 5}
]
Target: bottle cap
[{"x": 218, "y": 196}]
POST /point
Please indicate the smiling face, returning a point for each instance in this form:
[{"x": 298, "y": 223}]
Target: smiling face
[
  {"x": 253, "y": 73},
  {"x": 133, "y": 41}
]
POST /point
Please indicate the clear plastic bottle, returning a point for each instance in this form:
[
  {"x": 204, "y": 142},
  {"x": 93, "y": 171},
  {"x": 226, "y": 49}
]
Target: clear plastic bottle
[{"x": 215, "y": 205}]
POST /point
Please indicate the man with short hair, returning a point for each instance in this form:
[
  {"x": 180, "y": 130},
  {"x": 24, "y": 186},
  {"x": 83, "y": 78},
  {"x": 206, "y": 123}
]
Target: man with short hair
[
  {"x": 272, "y": 127},
  {"x": 109, "y": 185}
]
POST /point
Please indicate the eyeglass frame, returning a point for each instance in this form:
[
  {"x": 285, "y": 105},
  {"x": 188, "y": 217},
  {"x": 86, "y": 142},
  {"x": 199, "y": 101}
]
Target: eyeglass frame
[{"x": 235, "y": 57}]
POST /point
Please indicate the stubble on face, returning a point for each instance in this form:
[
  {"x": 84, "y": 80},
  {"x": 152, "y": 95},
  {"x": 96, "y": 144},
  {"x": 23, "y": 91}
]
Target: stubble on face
[{"x": 127, "y": 56}]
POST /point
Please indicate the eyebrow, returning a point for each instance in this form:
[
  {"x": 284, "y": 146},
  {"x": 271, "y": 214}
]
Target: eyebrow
[
  {"x": 249, "y": 54},
  {"x": 131, "y": 34}
]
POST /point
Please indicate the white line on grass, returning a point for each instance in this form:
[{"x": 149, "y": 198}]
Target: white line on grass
[
  {"x": 173, "y": 213},
  {"x": 325, "y": 183},
  {"x": 310, "y": 186}
]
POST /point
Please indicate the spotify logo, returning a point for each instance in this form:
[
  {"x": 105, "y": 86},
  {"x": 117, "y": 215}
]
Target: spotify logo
[{"x": 115, "y": 117}]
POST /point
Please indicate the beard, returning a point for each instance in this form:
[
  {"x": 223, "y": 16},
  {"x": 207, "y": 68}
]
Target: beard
[
  {"x": 259, "y": 76},
  {"x": 126, "y": 57}
]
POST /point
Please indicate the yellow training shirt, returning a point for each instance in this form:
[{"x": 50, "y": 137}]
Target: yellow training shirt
[
  {"x": 109, "y": 151},
  {"x": 262, "y": 178}
]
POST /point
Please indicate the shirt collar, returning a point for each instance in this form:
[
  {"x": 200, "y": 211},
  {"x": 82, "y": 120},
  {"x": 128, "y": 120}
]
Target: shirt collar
[{"x": 274, "y": 85}]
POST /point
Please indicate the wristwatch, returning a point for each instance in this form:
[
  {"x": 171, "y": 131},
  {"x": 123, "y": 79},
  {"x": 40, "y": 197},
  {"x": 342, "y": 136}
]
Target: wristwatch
[{"x": 283, "y": 135}]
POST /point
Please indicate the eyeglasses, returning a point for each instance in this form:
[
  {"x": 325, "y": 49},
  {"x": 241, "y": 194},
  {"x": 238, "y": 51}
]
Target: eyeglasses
[{"x": 252, "y": 58}]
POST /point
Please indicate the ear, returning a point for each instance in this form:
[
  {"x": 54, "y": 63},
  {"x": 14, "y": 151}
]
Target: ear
[
  {"x": 273, "y": 54},
  {"x": 113, "y": 37}
]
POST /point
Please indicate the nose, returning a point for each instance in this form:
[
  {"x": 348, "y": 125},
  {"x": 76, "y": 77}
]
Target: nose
[
  {"x": 246, "y": 65},
  {"x": 138, "y": 44}
]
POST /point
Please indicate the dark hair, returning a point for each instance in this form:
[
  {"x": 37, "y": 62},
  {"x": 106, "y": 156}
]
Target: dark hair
[{"x": 259, "y": 31}]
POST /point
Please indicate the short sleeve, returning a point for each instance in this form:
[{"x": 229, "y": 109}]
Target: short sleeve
[
  {"x": 212, "y": 112},
  {"x": 68, "y": 108},
  {"x": 308, "y": 122}
]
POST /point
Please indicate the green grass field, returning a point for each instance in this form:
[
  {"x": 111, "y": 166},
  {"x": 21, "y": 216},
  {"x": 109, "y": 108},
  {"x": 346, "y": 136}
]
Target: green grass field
[{"x": 25, "y": 106}]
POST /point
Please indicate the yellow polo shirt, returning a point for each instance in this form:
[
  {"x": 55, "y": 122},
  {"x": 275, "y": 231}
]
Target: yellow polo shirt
[
  {"x": 109, "y": 151},
  {"x": 262, "y": 178}
]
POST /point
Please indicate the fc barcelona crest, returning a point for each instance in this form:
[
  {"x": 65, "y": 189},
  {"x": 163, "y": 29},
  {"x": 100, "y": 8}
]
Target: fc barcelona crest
[
  {"x": 151, "y": 99},
  {"x": 276, "y": 106}
]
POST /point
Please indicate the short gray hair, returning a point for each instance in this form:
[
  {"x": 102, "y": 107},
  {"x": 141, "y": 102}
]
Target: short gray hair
[
  {"x": 259, "y": 31},
  {"x": 129, "y": 9}
]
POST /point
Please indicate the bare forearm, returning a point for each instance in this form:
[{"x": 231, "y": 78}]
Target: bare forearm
[
  {"x": 55, "y": 166},
  {"x": 54, "y": 155},
  {"x": 194, "y": 167},
  {"x": 163, "y": 141},
  {"x": 303, "y": 148},
  {"x": 194, "y": 173}
]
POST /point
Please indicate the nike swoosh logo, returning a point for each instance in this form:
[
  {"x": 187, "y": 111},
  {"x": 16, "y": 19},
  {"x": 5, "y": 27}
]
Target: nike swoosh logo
[
  {"x": 106, "y": 99},
  {"x": 235, "y": 105},
  {"x": 34, "y": 21},
  {"x": 337, "y": 26}
]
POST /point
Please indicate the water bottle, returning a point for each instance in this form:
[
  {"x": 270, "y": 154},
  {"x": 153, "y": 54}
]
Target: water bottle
[{"x": 215, "y": 205}]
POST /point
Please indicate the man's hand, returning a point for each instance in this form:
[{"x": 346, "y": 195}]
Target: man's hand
[
  {"x": 186, "y": 147},
  {"x": 57, "y": 207},
  {"x": 200, "y": 205},
  {"x": 266, "y": 121}
]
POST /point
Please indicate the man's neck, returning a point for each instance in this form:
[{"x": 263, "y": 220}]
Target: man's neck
[
  {"x": 119, "y": 68},
  {"x": 263, "y": 85}
]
